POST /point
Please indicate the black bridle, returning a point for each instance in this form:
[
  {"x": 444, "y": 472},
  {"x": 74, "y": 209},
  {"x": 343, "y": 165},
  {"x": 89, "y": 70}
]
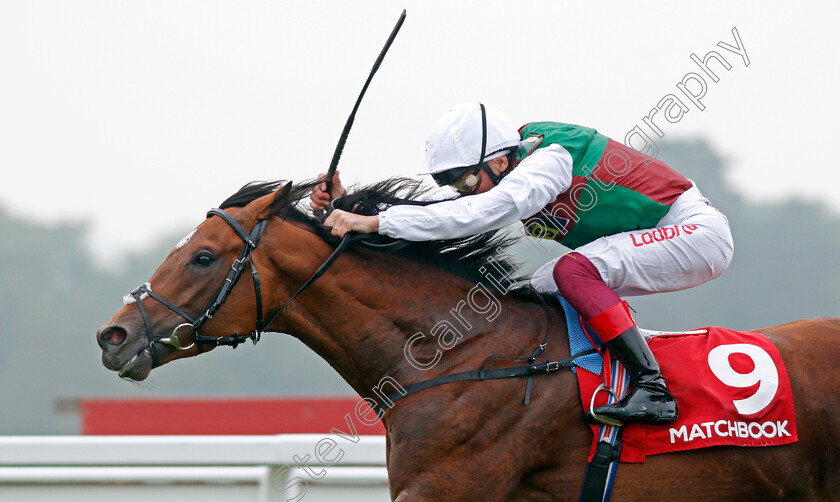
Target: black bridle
[
  {"x": 251, "y": 240},
  {"x": 236, "y": 270}
]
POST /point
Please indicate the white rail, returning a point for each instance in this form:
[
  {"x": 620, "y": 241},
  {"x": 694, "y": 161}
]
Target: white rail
[{"x": 311, "y": 467}]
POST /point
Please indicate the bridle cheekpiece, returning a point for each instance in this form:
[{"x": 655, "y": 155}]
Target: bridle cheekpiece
[
  {"x": 237, "y": 268},
  {"x": 251, "y": 240}
]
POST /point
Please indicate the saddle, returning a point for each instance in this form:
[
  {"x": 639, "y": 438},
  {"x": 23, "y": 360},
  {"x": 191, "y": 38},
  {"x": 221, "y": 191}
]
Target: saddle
[{"x": 732, "y": 388}]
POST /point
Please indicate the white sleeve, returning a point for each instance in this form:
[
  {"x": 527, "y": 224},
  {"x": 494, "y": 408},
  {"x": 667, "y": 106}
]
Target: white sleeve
[
  {"x": 440, "y": 193},
  {"x": 535, "y": 182}
]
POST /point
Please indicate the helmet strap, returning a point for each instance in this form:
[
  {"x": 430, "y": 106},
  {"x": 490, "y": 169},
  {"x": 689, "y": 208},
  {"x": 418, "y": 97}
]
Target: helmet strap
[
  {"x": 483, "y": 133},
  {"x": 495, "y": 178}
]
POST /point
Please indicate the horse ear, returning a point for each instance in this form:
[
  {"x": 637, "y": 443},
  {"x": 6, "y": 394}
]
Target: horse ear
[{"x": 270, "y": 204}]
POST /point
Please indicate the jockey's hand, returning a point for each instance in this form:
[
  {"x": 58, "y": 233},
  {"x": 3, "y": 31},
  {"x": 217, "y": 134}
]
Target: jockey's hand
[
  {"x": 343, "y": 222},
  {"x": 320, "y": 199}
]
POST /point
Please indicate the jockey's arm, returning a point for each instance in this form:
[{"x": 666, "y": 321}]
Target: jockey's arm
[
  {"x": 440, "y": 194},
  {"x": 535, "y": 182},
  {"x": 343, "y": 221}
]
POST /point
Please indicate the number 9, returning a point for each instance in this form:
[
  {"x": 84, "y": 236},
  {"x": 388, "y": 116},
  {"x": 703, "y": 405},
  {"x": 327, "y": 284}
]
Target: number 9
[{"x": 764, "y": 372}]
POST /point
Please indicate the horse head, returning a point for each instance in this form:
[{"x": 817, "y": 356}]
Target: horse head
[
  {"x": 362, "y": 317},
  {"x": 194, "y": 281}
]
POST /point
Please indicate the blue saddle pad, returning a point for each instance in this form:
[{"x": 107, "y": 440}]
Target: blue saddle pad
[{"x": 578, "y": 342}]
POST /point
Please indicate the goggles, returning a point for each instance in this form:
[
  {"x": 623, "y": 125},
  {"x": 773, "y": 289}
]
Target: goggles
[{"x": 462, "y": 179}]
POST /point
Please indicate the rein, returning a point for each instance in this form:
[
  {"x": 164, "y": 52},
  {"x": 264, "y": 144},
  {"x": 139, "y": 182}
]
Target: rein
[
  {"x": 250, "y": 243},
  {"x": 251, "y": 240}
]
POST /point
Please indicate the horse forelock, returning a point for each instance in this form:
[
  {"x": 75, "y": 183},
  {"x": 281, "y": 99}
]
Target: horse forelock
[{"x": 467, "y": 257}]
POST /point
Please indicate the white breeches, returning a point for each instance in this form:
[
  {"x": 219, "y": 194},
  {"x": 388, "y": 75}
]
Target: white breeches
[{"x": 691, "y": 245}]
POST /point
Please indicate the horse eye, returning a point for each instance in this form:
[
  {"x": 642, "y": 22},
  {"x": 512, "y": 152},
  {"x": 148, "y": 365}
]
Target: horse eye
[{"x": 203, "y": 259}]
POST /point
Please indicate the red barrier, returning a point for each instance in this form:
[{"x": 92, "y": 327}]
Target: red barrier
[{"x": 225, "y": 416}]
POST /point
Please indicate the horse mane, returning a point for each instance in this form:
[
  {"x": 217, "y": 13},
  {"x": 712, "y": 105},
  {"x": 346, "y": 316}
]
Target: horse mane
[{"x": 464, "y": 257}]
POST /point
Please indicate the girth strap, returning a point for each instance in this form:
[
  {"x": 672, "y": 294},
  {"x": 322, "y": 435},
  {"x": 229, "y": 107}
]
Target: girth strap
[
  {"x": 600, "y": 473},
  {"x": 478, "y": 375}
]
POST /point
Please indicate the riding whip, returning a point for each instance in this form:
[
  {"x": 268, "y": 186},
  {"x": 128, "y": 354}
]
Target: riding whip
[{"x": 346, "y": 132}]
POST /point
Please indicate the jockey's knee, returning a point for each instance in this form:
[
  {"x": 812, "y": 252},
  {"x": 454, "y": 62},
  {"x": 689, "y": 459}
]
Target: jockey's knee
[
  {"x": 581, "y": 284},
  {"x": 717, "y": 251},
  {"x": 573, "y": 270}
]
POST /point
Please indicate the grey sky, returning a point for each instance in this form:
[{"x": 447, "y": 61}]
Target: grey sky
[{"x": 140, "y": 116}]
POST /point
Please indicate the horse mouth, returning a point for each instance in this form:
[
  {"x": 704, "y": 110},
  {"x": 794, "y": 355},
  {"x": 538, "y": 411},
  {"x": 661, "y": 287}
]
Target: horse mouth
[{"x": 138, "y": 367}]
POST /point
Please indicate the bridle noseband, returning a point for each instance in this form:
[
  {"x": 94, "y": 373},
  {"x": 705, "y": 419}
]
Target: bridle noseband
[
  {"x": 237, "y": 268},
  {"x": 250, "y": 243}
]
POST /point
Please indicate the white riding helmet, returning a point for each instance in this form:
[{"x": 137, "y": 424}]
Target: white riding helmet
[{"x": 466, "y": 135}]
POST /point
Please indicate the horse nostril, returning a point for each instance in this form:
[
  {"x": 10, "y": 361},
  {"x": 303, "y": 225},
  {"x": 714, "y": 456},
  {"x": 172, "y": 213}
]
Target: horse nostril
[{"x": 113, "y": 335}]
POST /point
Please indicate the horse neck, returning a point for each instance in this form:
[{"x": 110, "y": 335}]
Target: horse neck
[{"x": 360, "y": 315}]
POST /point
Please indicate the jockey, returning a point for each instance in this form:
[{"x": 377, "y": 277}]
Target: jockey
[{"x": 635, "y": 225}]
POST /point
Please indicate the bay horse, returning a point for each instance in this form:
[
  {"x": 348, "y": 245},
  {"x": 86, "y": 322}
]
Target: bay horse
[{"x": 370, "y": 318}]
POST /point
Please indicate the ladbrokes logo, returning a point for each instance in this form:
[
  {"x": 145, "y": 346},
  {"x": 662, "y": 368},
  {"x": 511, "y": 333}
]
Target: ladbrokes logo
[
  {"x": 727, "y": 428},
  {"x": 662, "y": 234}
]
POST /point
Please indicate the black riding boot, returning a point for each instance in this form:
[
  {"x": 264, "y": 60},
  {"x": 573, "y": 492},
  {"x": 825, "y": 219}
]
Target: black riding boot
[{"x": 650, "y": 401}]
